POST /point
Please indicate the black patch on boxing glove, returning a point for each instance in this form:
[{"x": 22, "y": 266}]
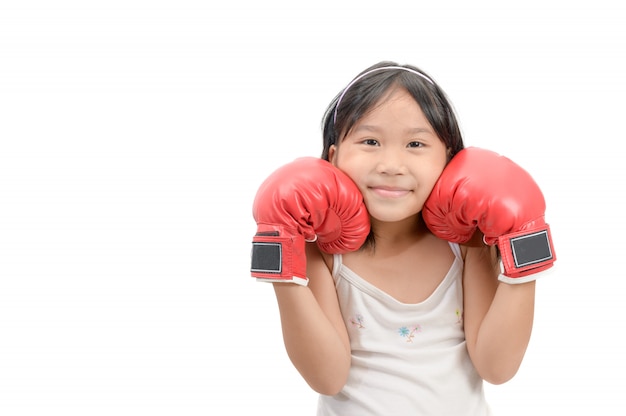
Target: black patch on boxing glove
[
  {"x": 267, "y": 258},
  {"x": 531, "y": 249}
]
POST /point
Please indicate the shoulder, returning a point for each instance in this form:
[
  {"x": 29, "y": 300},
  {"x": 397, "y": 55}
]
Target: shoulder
[
  {"x": 474, "y": 245},
  {"x": 481, "y": 267},
  {"x": 480, "y": 259},
  {"x": 319, "y": 267},
  {"x": 321, "y": 283},
  {"x": 317, "y": 259}
]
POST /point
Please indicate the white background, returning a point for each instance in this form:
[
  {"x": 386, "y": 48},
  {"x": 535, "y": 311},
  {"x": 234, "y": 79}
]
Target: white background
[{"x": 133, "y": 136}]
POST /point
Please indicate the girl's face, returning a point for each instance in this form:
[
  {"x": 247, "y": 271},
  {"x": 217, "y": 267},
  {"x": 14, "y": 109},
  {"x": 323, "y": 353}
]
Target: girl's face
[{"x": 393, "y": 155}]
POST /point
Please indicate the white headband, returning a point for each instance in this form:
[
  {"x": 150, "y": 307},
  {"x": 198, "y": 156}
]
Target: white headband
[{"x": 369, "y": 72}]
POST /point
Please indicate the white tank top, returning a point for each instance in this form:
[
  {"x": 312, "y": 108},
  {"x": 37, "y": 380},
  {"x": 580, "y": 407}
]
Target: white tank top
[{"x": 407, "y": 359}]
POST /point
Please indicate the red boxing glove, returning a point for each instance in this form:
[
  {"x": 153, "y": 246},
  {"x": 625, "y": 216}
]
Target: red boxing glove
[
  {"x": 308, "y": 199},
  {"x": 482, "y": 189}
]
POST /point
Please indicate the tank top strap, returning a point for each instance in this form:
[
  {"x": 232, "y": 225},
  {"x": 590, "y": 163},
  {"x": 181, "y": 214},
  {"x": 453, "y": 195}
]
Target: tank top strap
[
  {"x": 456, "y": 249},
  {"x": 337, "y": 261}
]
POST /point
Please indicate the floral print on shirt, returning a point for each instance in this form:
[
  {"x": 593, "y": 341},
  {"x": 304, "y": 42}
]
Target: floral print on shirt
[
  {"x": 357, "y": 321},
  {"x": 459, "y": 316},
  {"x": 409, "y": 332}
]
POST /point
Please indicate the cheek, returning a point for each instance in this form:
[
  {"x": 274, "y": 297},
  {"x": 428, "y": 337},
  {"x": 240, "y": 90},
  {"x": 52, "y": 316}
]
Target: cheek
[
  {"x": 353, "y": 173},
  {"x": 343, "y": 161},
  {"x": 350, "y": 169},
  {"x": 431, "y": 175},
  {"x": 437, "y": 170},
  {"x": 438, "y": 165}
]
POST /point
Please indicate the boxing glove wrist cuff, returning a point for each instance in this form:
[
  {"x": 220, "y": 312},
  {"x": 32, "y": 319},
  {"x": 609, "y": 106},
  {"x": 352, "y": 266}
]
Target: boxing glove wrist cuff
[
  {"x": 527, "y": 252},
  {"x": 278, "y": 256},
  {"x": 524, "y": 279}
]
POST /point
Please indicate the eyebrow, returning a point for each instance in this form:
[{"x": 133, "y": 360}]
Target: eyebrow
[{"x": 375, "y": 129}]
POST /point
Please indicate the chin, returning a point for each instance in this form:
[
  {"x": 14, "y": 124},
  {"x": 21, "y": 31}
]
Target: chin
[{"x": 391, "y": 218}]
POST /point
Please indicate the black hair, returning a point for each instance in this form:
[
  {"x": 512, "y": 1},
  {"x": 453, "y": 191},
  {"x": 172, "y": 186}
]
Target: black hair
[{"x": 364, "y": 93}]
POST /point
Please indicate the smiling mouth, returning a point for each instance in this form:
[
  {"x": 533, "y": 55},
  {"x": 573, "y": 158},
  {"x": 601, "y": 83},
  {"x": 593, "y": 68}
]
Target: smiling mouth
[{"x": 386, "y": 192}]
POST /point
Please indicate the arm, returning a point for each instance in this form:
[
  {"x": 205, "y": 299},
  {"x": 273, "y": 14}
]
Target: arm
[
  {"x": 482, "y": 194},
  {"x": 315, "y": 336},
  {"x": 498, "y": 316},
  {"x": 308, "y": 200}
]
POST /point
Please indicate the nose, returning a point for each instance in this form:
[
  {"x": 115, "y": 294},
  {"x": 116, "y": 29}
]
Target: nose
[{"x": 391, "y": 162}]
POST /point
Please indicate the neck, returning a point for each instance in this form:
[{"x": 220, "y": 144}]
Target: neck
[{"x": 400, "y": 232}]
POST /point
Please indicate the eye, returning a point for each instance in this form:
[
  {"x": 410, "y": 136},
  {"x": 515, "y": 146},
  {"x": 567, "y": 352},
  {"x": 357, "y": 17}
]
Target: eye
[
  {"x": 415, "y": 145},
  {"x": 370, "y": 142}
]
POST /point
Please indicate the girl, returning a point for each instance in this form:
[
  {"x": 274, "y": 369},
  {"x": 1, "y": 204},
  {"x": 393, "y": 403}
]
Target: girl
[{"x": 409, "y": 324}]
